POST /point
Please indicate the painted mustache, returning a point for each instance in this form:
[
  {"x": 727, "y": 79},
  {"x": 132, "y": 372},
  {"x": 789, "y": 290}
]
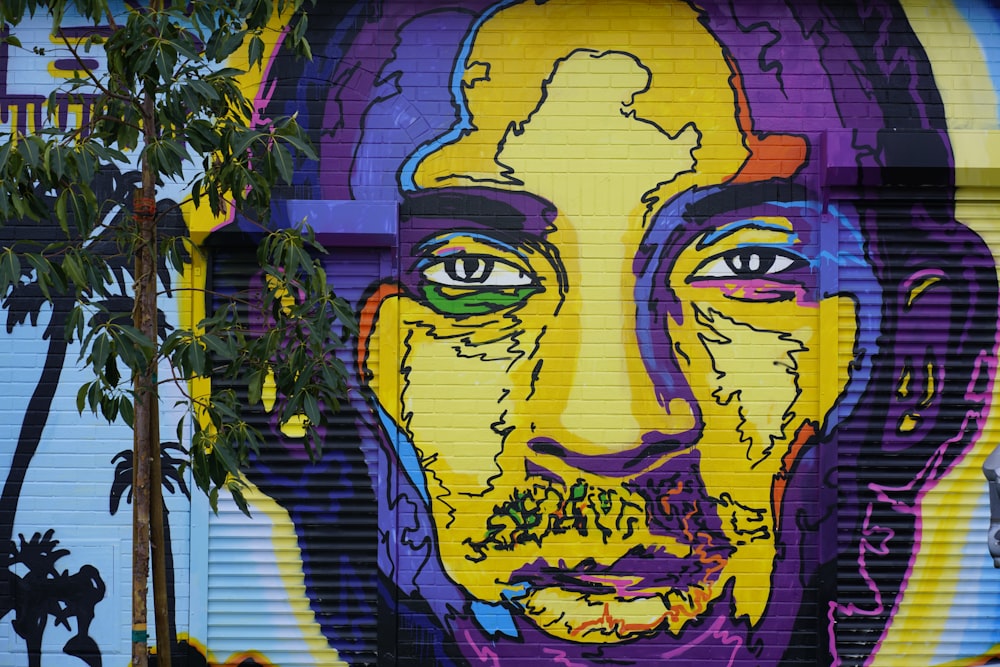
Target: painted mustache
[
  {"x": 669, "y": 501},
  {"x": 546, "y": 508}
]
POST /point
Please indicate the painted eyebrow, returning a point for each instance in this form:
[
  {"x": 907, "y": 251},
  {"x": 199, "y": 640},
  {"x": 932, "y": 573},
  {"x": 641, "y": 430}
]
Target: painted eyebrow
[
  {"x": 456, "y": 207},
  {"x": 503, "y": 211},
  {"x": 731, "y": 228},
  {"x": 448, "y": 236}
]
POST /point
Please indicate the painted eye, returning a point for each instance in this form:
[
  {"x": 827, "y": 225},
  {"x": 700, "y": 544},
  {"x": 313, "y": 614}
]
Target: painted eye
[
  {"x": 472, "y": 271},
  {"x": 749, "y": 263}
]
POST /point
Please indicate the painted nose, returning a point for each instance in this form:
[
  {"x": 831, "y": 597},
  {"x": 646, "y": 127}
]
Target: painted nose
[{"x": 613, "y": 408}]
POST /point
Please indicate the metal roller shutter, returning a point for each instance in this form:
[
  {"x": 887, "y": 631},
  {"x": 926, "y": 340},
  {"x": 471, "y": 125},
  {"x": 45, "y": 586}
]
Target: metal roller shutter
[{"x": 310, "y": 551}]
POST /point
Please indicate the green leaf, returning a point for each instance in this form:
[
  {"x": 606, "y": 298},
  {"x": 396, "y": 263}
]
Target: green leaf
[
  {"x": 100, "y": 351},
  {"x": 81, "y": 396},
  {"x": 213, "y": 500},
  {"x": 28, "y": 147},
  {"x": 199, "y": 460},
  {"x": 86, "y": 165},
  {"x": 109, "y": 408},
  {"x": 166, "y": 60},
  {"x": 217, "y": 347},
  {"x": 127, "y": 410},
  {"x": 74, "y": 324},
  {"x": 226, "y": 458},
  {"x": 311, "y": 408},
  {"x": 94, "y": 396},
  {"x": 283, "y": 161},
  {"x": 345, "y": 315},
  {"x": 196, "y": 359},
  {"x": 255, "y": 386},
  {"x": 140, "y": 342},
  {"x": 238, "y": 498},
  {"x": 255, "y": 51},
  {"x": 243, "y": 138},
  {"x": 74, "y": 270},
  {"x": 111, "y": 373},
  {"x": 10, "y": 270},
  {"x": 62, "y": 215},
  {"x": 5, "y": 154},
  {"x": 298, "y": 34},
  {"x": 55, "y": 161}
]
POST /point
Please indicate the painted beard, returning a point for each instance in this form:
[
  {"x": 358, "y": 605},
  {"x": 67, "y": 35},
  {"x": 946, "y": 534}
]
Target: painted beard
[
  {"x": 671, "y": 501},
  {"x": 665, "y": 585}
]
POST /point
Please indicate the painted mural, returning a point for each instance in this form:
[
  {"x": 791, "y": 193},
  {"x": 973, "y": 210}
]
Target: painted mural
[{"x": 684, "y": 353}]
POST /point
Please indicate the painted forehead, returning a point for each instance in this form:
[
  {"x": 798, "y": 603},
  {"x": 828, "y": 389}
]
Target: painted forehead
[{"x": 421, "y": 98}]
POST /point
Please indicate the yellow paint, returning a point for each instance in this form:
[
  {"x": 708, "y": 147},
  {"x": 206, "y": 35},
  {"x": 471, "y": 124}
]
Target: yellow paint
[
  {"x": 920, "y": 288},
  {"x": 295, "y": 427},
  {"x": 836, "y": 353},
  {"x": 473, "y": 391},
  {"x": 601, "y": 84},
  {"x": 957, "y": 61},
  {"x": 29, "y": 118},
  {"x": 930, "y": 391},
  {"x": 269, "y": 392},
  {"x": 290, "y": 566},
  {"x": 908, "y": 423},
  {"x": 759, "y": 384}
]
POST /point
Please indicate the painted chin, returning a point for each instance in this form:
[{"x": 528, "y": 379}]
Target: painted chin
[
  {"x": 667, "y": 578},
  {"x": 617, "y": 608}
]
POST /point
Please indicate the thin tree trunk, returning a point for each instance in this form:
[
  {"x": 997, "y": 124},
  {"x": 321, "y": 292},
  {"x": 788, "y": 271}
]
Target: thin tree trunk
[
  {"x": 161, "y": 604},
  {"x": 146, "y": 423},
  {"x": 144, "y": 319},
  {"x": 171, "y": 577}
]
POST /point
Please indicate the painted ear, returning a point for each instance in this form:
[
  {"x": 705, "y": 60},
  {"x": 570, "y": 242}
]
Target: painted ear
[
  {"x": 923, "y": 336},
  {"x": 368, "y": 322}
]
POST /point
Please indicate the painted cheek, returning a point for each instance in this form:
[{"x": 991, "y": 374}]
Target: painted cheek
[
  {"x": 460, "y": 384},
  {"x": 837, "y": 313}
]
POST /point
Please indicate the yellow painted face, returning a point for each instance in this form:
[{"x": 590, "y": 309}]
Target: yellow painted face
[{"x": 565, "y": 478}]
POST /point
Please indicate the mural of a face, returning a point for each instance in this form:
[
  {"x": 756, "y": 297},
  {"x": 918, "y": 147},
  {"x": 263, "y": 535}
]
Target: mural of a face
[{"x": 577, "y": 406}]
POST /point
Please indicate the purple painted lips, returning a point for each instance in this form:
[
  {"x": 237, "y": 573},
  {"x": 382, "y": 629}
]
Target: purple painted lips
[{"x": 643, "y": 572}]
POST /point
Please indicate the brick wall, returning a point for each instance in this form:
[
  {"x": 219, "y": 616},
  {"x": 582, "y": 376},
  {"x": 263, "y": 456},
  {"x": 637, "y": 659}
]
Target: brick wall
[{"x": 677, "y": 343}]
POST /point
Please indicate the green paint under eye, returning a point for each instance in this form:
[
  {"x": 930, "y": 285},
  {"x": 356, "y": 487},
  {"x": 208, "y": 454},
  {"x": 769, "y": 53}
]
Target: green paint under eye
[{"x": 479, "y": 302}]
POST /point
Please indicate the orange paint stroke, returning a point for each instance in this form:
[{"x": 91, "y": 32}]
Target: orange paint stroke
[
  {"x": 366, "y": 321},
  {"x": 807, "y": 431},
  {"x": 771, "y": 155}
]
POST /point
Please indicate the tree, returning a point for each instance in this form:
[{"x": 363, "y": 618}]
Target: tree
[{"x": 169, "y": 104}]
